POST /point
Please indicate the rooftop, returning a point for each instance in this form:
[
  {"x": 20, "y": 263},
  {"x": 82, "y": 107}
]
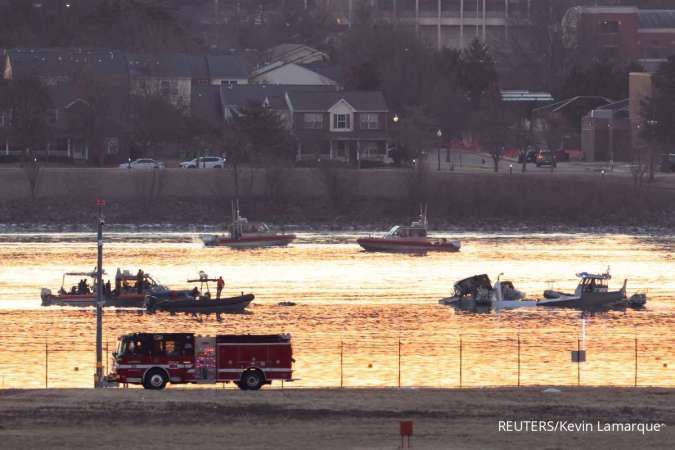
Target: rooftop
[{"x": 322, "y": 101}]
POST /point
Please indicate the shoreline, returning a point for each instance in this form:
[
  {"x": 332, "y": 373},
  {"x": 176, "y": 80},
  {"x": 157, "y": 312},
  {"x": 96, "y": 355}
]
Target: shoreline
[{"x": 339, "y": 418}]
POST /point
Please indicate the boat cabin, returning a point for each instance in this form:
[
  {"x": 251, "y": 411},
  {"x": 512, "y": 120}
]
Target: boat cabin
[
  {"x": 398, "y": 231},
  {"x": 243, "y": 227},
  {"x": 592, "y": 282}
]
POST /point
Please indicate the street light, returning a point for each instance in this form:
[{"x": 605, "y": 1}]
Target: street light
[
  {"x": 611, "y": 144},
  {"x": 439, "y": 134},
  {"x": 396, "y": 118},
  {"x": 652, "y": 124}
]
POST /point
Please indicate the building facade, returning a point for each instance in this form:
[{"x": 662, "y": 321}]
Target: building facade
[{"x": 620, "y": 33}]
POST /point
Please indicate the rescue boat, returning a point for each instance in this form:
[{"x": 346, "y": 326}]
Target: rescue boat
[
  {"x": 245, "y": 234},
  {"x": 125, "y": 293},
  {"x": 411, "y": 239}
]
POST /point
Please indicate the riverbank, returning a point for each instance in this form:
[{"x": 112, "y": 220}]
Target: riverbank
[
  {"x": 364, "y": 199},
  {"x": 332, "y": 419}
]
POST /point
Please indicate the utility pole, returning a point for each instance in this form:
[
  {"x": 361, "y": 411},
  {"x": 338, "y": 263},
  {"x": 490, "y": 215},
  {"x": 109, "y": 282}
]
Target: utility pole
[{"x": 99, "y": 297}]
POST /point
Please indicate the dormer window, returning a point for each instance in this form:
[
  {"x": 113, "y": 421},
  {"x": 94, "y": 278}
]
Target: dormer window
[{"x": 341, "y": 121}]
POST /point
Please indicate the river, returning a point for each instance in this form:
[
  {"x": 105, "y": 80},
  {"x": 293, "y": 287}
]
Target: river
[{"x": 360, "y": 319}]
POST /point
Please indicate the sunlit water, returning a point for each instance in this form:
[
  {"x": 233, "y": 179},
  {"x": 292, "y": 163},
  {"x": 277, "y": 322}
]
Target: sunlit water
[{"x": 361, "y": 319}]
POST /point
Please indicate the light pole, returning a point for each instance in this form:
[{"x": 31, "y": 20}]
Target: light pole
[
  {"x": 610, "y": 127},
  {"x": 439, "y": 134},
  {"x": 99, "y": 296},
  {"x": 652, "y": 124},
  {"x": 397, "y": 150}
]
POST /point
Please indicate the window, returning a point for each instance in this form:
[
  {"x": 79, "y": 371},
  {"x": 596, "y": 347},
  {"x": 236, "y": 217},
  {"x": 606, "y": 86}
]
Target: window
[
  {"x": 609, "y": 26},
  {"x": 370, "y": 121},
  {"x": 341, "y": 121},
  {"x": 168, "y": 88},
  {"x": 112, "y": 145},
  {"x": 313, "y": 121},
  {"x": 5, "y": 119}
]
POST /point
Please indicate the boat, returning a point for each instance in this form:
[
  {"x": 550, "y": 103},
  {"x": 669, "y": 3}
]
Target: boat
[
  {"x": 478, "y": 292},
  {"x": 245, "y": 234},
  {"x": 411, "y": 238},
  {"x": 200, "y": 300},
  {"x": 200, "y": 305},
  {"x": 125, "y": 294},
  {"x": 592, "y": 292}
]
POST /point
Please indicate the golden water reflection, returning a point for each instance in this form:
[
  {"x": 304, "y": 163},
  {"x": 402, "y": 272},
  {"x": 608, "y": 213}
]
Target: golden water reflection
[{"x": 361, "y": 319}]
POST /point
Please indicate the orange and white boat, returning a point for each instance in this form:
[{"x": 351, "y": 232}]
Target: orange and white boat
[
  {"x": 412, "y": 238},
  {"x": 245, "y": 234}
]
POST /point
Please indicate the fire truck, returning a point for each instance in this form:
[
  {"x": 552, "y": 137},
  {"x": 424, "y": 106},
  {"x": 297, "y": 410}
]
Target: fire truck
[{"x": 155, "y": 359}]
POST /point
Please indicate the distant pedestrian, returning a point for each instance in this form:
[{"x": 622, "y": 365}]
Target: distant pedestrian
[
  {"x": 139, "y": 281},
  {"x": 219, "y": 286}
]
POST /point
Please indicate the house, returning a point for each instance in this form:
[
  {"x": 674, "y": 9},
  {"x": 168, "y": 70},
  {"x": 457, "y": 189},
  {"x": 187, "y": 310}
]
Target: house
[
  {"x": 228, "y": 69},
  {"x": 289, "y": 73},
  {"x": 346, "y": 126},
  {"x": 69, "y": 134},
  {"x": 606, "y": 133},
  {"x": 295, "y": 53},
  {"x": 169, "y": 75}
]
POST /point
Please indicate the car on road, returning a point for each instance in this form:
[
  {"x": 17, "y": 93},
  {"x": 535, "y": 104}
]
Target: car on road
[
  {"x": 142, "y": 163},
  {"x": 204, "y": 162},
  {"x": 546, "y": 158},
  {"x": 530, "y": 155}
]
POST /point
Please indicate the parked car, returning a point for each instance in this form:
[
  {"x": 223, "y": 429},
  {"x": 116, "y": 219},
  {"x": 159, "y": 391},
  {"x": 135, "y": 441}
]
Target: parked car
[
  {"x": 530, "y": 155},
  {"x": 546, "y": 158},
  {"x": 143, "y": 163},
  {"x": 204, "y": 162},
  {"x": 668, "y": 162}
]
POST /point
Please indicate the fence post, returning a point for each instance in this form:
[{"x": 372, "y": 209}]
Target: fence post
[
  {"x": 460, "y": 361},
  {"x": 107, "y": 358},
  {"x": 341, "y": 363},
  {"x": 518, "y": 359},
  {"x": 46, "y": 365},
  {"x": 399, "y": 363},
  {"x": 579, "y": 362},
  {"x": 636, "y": 362}
]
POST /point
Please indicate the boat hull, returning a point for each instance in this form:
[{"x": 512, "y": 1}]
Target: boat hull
[
  {"x": 201, "y": 306},
  {"x": 588, "y": 300},
  {"x": 129, "y": 300},
  {"x": 279, "y": 240},
  {"x": 407, "y": 246}
]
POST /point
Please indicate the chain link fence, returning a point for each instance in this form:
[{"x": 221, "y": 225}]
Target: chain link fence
[{"x": 461, "y": 361}]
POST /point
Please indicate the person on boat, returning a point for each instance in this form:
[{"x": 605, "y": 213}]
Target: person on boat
[
  {"x": 139, "y": 281},
  {"x": 195, "y": 293},
  {"x": 106, "y": 288},
  {"x": 220, "y": 284}
]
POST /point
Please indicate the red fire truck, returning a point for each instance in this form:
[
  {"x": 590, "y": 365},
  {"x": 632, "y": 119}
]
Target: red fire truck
[{"x": 155, "y": 359}]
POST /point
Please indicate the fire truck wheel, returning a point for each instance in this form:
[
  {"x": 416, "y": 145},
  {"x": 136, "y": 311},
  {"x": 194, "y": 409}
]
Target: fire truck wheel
[
  {"x": 155, "y": 379},
  {"x": 251, "y": 380}
]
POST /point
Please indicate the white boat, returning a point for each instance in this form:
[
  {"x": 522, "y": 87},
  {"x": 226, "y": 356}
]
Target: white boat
[
  {"x": 477, "y": 292},
  {"x": 592, "y": 293}
]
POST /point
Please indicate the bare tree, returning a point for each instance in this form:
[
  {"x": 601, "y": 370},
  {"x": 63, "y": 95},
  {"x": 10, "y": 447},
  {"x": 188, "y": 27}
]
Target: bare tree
[{"x": 28, "y": 102}]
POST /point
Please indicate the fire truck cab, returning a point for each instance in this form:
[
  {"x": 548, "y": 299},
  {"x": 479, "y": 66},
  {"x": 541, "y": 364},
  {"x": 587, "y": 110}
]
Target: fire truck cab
[{"x": 155, "y": 359}]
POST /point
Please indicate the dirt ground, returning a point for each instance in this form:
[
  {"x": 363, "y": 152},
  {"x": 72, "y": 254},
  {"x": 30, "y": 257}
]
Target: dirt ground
[{"x": 329, "y": 419}]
